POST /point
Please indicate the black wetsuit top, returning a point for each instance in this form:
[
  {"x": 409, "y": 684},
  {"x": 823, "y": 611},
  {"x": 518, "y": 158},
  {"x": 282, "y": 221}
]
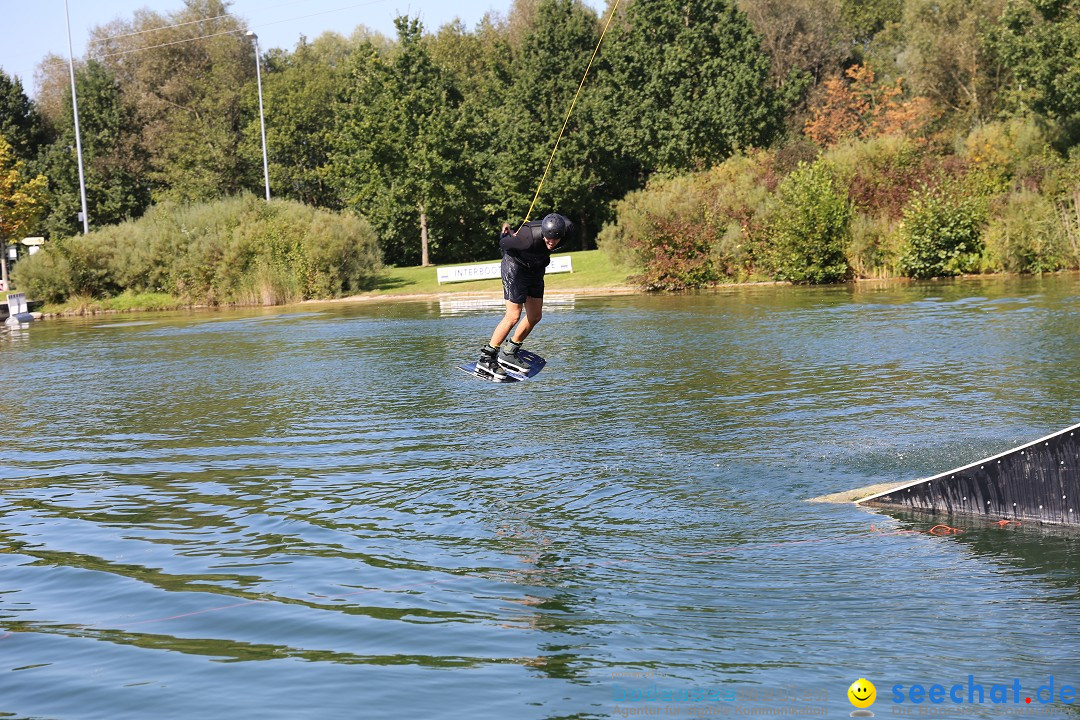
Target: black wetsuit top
[{"x": 526, "y": 247}]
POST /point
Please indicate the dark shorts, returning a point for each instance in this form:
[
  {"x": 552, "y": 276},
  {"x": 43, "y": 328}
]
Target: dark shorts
[{"x": 520, "y": 282}]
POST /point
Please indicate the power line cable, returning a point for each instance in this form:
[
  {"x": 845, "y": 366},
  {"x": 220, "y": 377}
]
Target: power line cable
[
  {"x": 156, "y": 29},
  {"x": 174, "y": 42},
  {"x": 191, "y": 22}
]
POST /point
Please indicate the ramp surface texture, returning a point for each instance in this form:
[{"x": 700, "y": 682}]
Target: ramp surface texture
[{"x": 1039, "y": 481}]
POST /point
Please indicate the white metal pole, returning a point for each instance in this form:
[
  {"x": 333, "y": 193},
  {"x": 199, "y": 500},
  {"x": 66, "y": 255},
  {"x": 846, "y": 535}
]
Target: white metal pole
[
  {"x": 78, "y": 138},
  {"x": 262, "y": 122}
]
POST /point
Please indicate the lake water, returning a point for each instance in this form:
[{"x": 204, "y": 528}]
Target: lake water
[{"x": 310, "y": 513}]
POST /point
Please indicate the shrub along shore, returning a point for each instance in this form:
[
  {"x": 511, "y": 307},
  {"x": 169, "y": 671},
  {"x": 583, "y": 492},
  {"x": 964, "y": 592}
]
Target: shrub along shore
[
  {"x": 239, "y": 251},
  {"x": 881, "y": 207}
]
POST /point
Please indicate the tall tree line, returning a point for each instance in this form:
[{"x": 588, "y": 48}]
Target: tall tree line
[{"x": 439, "y": 137}]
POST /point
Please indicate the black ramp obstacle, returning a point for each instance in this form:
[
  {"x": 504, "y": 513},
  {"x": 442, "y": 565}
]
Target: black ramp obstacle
[{"x": 1039, "y": 481}]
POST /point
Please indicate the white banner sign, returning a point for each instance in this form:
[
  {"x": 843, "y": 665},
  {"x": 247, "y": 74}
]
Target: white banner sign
[{"x": 488, "y": 271}]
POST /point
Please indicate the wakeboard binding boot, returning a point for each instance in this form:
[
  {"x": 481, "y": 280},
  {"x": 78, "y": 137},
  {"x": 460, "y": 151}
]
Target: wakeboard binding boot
[
  {"x": 488, "y": 365},
  {"x": 510, "y": 359}
]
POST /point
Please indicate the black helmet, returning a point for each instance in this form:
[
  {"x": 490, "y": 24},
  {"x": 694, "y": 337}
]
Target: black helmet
[{"x": 553, "y": 227}]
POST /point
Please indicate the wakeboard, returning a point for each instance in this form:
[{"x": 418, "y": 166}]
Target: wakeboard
[{"x": 536, "y": 364}]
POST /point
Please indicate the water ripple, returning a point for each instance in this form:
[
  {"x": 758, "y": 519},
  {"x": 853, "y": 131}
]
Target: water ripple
[{"x": 273, "y": 501}]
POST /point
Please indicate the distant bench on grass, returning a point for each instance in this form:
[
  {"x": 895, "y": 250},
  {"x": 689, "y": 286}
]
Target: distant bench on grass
[{"x": 489, "y": 271}]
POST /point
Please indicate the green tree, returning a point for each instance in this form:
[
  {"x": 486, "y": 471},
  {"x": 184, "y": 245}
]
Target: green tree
[
  {"x": 186, "y": 74},
  {"x": 948, "y": 58},
  {"x": 480, "y": 66},
  {"x": 866, "y": 18},
  {"x": 689, "y": 83},
  {"x": 53, "y": 84},
  {"x": 20, "y": 122},
  {"x": 300, "y": 89},
  {"x": 803, "y": 37},
  {"x": 1040, "y": 42},
  {"x": 400, "y": 152},
  {"x": 478, "y": 61},
  {"x": 549, "y": 57},
  {"x": 114, "y": 163}
]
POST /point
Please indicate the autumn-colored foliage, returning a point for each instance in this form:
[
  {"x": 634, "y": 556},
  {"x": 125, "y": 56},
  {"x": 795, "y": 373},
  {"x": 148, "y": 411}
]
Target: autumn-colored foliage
[
  {"x": 700, "y": 229},
  {"x": 22, "y": 198},
  {"x": 860, "y": 107},
  {"x": 676, "y": 256}
]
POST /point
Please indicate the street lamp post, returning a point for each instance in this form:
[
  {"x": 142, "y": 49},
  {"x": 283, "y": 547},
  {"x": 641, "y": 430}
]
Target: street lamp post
[
  {"x": 78, "y": 140},
  {"x": 262, "y": 121}
]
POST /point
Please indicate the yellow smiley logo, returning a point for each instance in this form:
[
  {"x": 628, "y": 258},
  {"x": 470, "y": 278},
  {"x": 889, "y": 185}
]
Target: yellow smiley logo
[{"x": 862, "y": 693}]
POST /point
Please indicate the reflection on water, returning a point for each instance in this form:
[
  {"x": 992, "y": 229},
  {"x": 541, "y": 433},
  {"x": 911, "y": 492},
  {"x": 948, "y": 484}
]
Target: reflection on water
[
  {"x": 1049, "y": 553},
  {"x": 305, "y": 513},
  {"x": 494, "y": 306}
]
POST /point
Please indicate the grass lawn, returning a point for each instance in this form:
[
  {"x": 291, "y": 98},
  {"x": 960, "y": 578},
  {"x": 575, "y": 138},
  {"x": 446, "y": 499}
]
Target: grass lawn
[{"x": 592, "y": 269}]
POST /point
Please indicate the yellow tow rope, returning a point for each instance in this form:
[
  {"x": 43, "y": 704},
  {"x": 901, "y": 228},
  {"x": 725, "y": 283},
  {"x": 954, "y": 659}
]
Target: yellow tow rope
[{"x": 571, "y": 110}]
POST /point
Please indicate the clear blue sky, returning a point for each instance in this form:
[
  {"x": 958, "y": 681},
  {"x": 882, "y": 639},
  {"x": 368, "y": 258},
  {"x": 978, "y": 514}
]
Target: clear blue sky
[{"x": 30, "y": 29}]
